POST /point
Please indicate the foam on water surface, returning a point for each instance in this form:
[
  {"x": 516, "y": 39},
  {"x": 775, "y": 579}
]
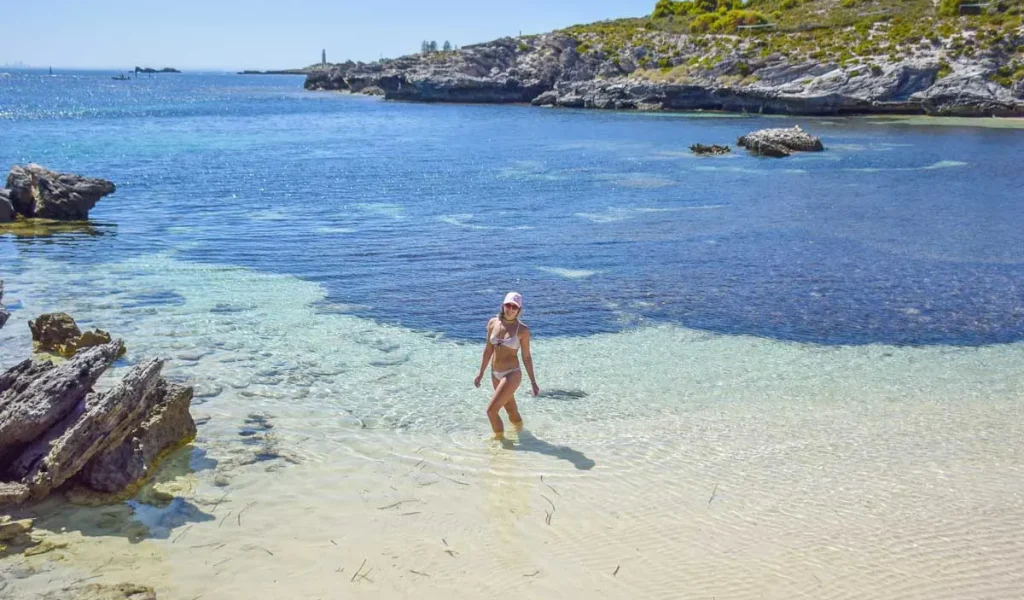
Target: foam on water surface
[
  {"x": 568, "y": 273},
  {"x": 942, "y": 164}
]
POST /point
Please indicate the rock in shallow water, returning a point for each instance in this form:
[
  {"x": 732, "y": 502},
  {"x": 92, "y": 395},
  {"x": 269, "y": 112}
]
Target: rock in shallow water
[
  {"x": 41, "y": 193},
  {"x": 96, "y": 425},
  {"x": 712, "y": 150},
  {"x": 53, "y": 330},
  {"x": 167, "y": 425},
  {"x": 36, "y": 396},
  {"x": 53, "y": 427},
  {"x": 781, "y": 142},
  {"x": 58, "y": 333},
  {"x": 10, "y": 529}
]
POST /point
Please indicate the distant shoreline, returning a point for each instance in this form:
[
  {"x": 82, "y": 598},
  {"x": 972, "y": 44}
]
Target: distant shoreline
[
  {"x": 809, "y": 58},
  {"x": 275, "y": 72}
]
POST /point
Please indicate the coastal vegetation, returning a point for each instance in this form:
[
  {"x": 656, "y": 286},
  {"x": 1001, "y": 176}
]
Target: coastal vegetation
[
  {"x": 681, "y": 37},
  {"x": 430, "y": 46}
]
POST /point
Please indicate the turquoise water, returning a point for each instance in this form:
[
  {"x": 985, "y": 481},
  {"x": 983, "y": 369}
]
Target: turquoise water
[
  {"x": 760, "y": 378},
  {"x": 420, "y": 216}
]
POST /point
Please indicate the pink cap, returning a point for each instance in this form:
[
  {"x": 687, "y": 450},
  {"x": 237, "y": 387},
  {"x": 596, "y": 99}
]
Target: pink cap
[{"x": 514, "y": 298}]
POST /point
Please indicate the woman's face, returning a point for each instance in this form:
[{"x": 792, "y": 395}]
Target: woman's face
[{"x": 511, "y": 310}]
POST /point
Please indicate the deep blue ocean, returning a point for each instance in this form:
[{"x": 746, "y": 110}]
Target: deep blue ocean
[{"x": 425, "y": 215}]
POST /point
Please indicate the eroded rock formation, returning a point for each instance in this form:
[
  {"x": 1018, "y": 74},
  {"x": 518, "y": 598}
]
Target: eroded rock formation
[
  {"x": 37, "y": 192},
  {"x": 55, "y": 429},
  {"x": 781, "y": 142}
]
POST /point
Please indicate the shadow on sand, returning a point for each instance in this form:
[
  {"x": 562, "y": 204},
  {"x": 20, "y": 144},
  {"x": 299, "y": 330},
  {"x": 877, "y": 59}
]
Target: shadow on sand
[
  {"x": 148, "y": 515},
  {"x": 531, "y": 443}
]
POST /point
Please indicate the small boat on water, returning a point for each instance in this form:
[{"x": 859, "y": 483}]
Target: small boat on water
[{"x": 121, "y": 77}]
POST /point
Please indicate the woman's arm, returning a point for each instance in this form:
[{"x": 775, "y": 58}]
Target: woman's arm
[
  {"x": 488, "y": 351},
  {"x": 528, "y": 360}
]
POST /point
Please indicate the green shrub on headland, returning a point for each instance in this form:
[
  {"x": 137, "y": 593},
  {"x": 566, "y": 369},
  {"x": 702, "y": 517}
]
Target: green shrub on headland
[
  {"x": 728, "y": 22},
  {"x": 680, "y": 8},
  {"x": 949, "y": 8}
]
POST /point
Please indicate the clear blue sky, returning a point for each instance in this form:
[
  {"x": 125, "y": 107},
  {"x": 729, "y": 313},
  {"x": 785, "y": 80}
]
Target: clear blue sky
[{"x": 260, "y": 34}]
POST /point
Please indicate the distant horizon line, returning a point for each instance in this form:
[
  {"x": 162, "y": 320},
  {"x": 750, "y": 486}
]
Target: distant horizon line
[{"x": 11, "y": 67}]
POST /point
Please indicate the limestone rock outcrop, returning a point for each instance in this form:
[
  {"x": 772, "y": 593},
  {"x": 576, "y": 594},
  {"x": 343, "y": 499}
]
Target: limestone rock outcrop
[
  {"x": 780, "y": 142},
  {"x": 55, "y": 429},
  {"x": 37, "y": 192},
  {"x": 576, "y": 71}
]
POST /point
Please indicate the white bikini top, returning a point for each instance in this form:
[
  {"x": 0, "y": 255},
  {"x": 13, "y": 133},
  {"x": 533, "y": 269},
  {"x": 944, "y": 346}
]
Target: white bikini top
[{"x": 509, "y": 342}]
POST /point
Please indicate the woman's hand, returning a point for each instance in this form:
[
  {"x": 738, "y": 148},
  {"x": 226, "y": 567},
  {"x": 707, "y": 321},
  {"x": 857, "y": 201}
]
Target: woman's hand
[
  {"x": 476, "y": 382},
  {"x": 536, "y": 390}
]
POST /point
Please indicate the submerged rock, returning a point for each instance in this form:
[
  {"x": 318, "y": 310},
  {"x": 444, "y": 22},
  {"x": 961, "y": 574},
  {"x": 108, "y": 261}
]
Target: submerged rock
[
  {"x": 58, "y": 333},
  {"x": 4, "y": 315},
  {"x": 15, "y": 537},
  {"x": 781, "y": 142},
  {"x": 712, "y": 150},
  {"x": 11, "y": 529},
  {"x": 41, "y": 228},
  {"x": 45, "y": 546},
  {"x": 38, "y": 192},
  {"x": 52, "y": 330},
  {"x": 13, "y": 493}
]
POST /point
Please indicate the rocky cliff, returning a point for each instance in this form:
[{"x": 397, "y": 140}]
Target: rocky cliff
[{"x": 874, "y": 65}]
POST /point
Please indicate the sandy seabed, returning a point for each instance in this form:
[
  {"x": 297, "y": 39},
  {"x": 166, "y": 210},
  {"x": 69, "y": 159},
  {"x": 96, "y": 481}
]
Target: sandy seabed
[{"x": 660, "y": 462}]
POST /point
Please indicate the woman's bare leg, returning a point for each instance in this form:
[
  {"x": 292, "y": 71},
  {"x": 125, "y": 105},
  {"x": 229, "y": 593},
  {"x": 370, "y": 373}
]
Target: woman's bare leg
[
  {"x": 513, "y": 414},
  {"x": 503, "y": 393},
  {"x": 511, "y": 408}
]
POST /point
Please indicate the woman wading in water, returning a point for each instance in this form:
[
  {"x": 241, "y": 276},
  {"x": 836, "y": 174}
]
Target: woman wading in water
[{"x": 506, "y": 334}]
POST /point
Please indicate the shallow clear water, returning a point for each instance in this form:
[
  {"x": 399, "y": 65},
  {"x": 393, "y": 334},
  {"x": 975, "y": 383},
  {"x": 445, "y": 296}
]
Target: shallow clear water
[
  {"x": 793, "y": 378},
  {"x": 421, "y": 215}
]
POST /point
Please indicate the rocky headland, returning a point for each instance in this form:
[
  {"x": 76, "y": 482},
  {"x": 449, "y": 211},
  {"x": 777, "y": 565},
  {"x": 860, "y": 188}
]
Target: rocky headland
[{"x": 805, "y": 57}]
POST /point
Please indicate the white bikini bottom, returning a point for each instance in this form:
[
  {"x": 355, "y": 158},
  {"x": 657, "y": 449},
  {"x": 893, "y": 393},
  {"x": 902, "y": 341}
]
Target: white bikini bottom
[{"x": 502, "y": 374}]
